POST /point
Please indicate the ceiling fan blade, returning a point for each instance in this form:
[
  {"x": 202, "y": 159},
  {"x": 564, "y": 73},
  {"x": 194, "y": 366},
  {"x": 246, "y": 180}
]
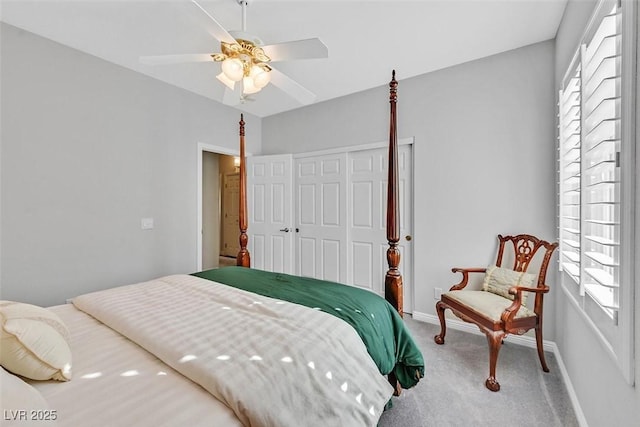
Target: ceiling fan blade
[
  {"x": 232, "y": 96},
  {"x": 212, "y": 26},
  {"x": 175, "y": 59},
  {"x": 291, "y": 87},
  {"x": 297, "y": 49}
]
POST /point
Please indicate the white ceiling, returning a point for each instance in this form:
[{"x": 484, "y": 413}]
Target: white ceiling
[{"x": 366, "y": 39}]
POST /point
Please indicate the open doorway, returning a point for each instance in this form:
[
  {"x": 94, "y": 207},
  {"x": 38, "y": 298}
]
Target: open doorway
[{"x": 218, "y": 177}]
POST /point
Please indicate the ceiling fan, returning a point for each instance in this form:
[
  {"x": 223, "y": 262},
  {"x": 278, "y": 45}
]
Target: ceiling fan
[{"x": 245, "y": 62}]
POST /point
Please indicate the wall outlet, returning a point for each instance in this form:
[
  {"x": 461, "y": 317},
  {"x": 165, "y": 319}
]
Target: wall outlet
[{"x": 436, "y": 293}]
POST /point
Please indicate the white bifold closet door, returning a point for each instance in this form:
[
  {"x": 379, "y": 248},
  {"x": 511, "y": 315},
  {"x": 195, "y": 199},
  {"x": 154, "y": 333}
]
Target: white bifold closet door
[
  {"x": 368, "y": 244},
  {"x": 269, "y": 203},
  {"x": 321, "y": 215},
  {"x": 324, "y": 216}
]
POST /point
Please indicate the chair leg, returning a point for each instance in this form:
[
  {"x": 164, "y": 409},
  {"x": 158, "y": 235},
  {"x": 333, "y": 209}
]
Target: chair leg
[
  {"x": 543, "y": 362},
  {"x": 440, "y": 308},
  {"x": 495, "y": 342}
]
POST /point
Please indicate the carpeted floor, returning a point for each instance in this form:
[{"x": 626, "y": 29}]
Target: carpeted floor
[
  {"x": 225, "y": 261},
  {"x": 453, "y": 392}
]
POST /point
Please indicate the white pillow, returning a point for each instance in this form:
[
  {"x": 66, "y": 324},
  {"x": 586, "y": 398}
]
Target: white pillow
[
  {"x": 498, "y": 280},
  {"x": 22, "y": 405},
  {"x": 34, "y": 342}
]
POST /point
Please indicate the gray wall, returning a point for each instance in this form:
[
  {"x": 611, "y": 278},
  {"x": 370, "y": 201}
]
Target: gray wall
[
  {"x": 484, "y": 157},
  {"x": 88, "y": 149},
  {"x": 605, "y": 397}
]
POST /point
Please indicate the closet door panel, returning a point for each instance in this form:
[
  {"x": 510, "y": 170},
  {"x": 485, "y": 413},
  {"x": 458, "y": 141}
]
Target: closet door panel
[{"x": 321, "y": 214}]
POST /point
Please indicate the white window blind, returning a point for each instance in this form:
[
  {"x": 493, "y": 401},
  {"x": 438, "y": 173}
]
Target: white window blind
[
  {"x": 570, "y": 100},
  {"x": 589, "y": 111},
  {"x": 600, "y": 170}
]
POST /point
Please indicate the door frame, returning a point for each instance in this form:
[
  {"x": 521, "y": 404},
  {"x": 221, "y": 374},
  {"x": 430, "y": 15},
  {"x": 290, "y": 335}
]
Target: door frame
[
  {"x": 202, "y": 147},
  {"x": 350, "y": 148}
]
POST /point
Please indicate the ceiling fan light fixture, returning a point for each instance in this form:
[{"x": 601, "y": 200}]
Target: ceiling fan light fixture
[
  {"x": 260, "y": 76},
  {"x": 226, "y": 80},
  {"x": 233, "y": 69},
  {"x": 248, "y": 87}
]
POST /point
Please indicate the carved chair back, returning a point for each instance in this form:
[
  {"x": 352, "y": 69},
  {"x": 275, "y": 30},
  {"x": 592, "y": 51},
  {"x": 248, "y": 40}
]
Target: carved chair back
[{"x": 525, "y": 248}]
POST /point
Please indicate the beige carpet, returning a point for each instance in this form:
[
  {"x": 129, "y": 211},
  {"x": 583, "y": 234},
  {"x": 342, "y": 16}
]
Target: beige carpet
[
  {"x": 453, "y": 392},
  {"x": 225, "y": 261}
]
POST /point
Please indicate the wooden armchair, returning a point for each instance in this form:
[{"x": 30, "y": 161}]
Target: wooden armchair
[{"x": 498, "y": 309}]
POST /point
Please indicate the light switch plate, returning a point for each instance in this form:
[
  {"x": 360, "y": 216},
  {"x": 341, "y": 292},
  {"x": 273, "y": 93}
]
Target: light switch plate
[{"x": 146, "y": 223}]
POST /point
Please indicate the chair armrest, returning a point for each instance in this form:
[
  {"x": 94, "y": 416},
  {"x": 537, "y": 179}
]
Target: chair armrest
[
  {"x": 465, "y": 276},
  {"x": 510, "y": 312},
  {"x": 515, "y": 290}
]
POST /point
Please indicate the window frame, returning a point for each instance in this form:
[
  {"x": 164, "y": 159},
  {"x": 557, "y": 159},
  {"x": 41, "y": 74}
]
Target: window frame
[{"x": 616, "y": 332}]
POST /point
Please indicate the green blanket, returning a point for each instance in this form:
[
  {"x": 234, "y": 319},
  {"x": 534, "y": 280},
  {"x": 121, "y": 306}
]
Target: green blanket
[{"x": 381, "y": 328}]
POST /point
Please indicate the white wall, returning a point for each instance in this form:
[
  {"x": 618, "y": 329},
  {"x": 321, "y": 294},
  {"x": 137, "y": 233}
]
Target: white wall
[
  {"x": 88, "y": 149},
  {"x": 484, "y": 156},
  {"x": 605, "y": 397}
]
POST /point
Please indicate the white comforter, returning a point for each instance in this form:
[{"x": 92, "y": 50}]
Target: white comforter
[{"x": 273, "y": 363}]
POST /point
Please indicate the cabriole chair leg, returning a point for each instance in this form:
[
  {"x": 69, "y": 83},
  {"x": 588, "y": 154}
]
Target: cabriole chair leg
[
  {"x": 440, "y": 308},
  {"x": 495, "y": 342},
  {"x": 543, "y": 362}
]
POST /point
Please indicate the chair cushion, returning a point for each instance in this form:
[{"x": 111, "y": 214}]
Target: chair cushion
[
  {"x": 34, "y": 342},
  {"x": 488, "y": 304},
  {"x": 498, "y": 280}
]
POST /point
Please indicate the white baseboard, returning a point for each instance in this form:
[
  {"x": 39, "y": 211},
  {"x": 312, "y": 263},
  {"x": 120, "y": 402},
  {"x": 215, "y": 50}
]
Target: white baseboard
[
  {"x": 582, "y": 421},
  {"x": 526, "y": 341}
]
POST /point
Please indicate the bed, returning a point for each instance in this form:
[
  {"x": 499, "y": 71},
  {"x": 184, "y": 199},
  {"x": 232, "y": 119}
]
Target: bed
[{"x": 226, "y": 347}]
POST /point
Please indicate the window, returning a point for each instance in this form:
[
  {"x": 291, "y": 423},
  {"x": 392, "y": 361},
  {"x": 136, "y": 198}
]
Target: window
[
  {"x": 570, "y": 176},
  {"x": 596, "y": 152},
  {"x": 600, "y": 187}
]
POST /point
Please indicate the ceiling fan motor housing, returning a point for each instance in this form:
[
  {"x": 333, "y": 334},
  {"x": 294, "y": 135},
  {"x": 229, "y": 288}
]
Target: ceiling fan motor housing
[{"x": 243, "y": 35}]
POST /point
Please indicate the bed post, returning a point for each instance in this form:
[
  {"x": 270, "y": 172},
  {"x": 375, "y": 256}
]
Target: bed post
[
  {"x": 243, "y": 259},
  {"x": 393, "y": 279}
]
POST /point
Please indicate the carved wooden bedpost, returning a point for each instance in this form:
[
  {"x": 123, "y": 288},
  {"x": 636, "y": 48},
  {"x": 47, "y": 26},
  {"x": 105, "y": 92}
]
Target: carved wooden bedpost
[
  {"x": 393, "y": 279},
  {"x": 243, "y": 259}
]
